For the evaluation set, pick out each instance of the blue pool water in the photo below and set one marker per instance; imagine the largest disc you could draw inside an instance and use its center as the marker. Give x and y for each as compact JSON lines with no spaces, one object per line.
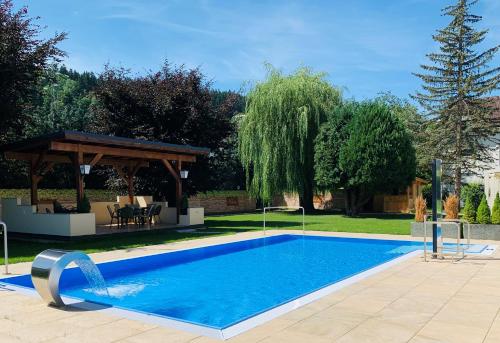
{"x":221,"y":285}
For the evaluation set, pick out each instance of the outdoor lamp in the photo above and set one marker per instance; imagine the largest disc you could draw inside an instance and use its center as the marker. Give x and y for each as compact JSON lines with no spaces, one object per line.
{"x":184,"y":174}
{"x":84,"y":169}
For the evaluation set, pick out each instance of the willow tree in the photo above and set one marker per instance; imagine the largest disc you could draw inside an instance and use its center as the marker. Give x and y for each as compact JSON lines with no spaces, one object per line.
{"x":277,"y":131}
{"x":455,"y":93}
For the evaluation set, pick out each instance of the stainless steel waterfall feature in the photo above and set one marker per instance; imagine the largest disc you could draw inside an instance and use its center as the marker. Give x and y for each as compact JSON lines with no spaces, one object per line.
{"x":47,"y":268}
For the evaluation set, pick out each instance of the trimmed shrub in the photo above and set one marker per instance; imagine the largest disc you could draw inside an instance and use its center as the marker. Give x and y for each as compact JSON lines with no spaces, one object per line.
{"x":473,"y":190}
{"x":495,"y":211}
{"x":420,"y":209}
{"x":83,"y":206}
{"x":451,"y":205}
{"x":469,"y":210}
{"x":483,"y":212}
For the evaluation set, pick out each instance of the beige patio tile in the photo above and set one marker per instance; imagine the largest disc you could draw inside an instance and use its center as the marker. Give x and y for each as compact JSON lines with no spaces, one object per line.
{"x":7,"y":326}
{"x":295,"y":337}
{"x":477,"y":315}
{"x":493,"y":335}
{"x":45,"y":332}
{"x":262,"y":331}
{"x":40,"y":315}
{"x":89,"y":319}
{"x":333,"y":324}
{"x":452,"y":333}
{"x":110,"y":332}
{"x":363,"y":304}
{"x":375,"y":331}
{"x":160,"y":335}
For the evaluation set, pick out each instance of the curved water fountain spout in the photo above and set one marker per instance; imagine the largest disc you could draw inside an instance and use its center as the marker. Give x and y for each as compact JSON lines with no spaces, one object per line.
{"x":48,"y":266}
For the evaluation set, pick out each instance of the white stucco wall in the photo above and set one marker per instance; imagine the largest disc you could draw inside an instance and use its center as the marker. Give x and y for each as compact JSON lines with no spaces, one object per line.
{"x":24,"y":219}
{"x":492,"y":185}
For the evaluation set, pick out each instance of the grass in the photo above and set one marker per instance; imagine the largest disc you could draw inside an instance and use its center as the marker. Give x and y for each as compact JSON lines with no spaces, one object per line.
{"x":398,"y":224}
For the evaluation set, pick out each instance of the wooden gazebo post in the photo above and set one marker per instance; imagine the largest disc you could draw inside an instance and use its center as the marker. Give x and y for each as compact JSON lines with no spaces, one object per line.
{"x":77,"y":161}
{"x":176,"y":173}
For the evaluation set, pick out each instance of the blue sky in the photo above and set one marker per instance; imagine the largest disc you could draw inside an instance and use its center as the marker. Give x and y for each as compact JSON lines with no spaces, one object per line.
{"x":365,"y":46}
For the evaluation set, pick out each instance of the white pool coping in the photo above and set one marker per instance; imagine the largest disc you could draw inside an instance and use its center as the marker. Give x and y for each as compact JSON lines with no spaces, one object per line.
{"x":244,"y":325}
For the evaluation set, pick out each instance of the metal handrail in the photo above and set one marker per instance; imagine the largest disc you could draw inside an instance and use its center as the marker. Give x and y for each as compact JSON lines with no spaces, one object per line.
{"x":286,"y":208}
{"x":5,"y":246}
{"x":455,"y":222}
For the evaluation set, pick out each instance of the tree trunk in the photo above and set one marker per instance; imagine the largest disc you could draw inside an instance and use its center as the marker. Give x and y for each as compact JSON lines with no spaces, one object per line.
{"x":458,"y":180}
{"x":347,"y":201}
{"x":306,"y":200}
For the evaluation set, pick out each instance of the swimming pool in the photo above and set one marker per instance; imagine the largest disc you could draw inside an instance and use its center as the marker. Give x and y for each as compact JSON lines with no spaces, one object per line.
{"x":219,"y":287}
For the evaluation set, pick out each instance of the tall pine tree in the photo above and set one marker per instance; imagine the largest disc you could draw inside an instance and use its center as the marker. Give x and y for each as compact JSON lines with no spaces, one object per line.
{"x":455,"y":92}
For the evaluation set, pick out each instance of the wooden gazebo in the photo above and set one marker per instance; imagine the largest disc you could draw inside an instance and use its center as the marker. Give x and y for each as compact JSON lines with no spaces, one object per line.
{"x":125,"y":155}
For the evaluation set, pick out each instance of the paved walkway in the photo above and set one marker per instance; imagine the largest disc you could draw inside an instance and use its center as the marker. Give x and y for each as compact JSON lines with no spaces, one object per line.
{"x":414,"y":301}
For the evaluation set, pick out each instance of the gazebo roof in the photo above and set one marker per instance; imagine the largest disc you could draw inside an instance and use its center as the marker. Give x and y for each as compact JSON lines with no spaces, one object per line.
{"x":55,"y":145}
{"x":125,"y":155}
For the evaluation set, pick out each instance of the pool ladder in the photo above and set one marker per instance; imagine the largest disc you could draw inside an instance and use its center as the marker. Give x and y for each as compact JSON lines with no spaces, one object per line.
{"x":459,"y":250}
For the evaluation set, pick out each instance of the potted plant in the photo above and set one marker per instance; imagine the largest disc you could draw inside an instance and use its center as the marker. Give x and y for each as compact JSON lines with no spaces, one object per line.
{"x":184,"y":205}
{"x":83,"y":205}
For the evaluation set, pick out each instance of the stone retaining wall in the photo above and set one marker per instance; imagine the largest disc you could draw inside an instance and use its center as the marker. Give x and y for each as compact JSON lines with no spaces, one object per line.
{"x":477,"y":231}
{"x":214,"y":204}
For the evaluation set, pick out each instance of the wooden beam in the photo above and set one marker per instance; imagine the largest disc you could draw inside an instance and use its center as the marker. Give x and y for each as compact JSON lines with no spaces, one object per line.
{"x":61,"y":159}
{"x":171,"y":169}
{"x":49,"y":167}
{"x":96,"y":159}
{"x":131,"y":153}
{"x":120,"y":172}
{"x":39,"y":160}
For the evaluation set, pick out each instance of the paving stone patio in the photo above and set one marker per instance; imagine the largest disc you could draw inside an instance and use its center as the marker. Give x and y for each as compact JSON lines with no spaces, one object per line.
{"x":414,"y":301}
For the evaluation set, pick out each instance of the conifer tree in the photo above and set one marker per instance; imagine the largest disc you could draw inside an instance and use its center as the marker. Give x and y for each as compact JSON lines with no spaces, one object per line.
{"x":495,"y":211}
{"x":469,"y":210}
{"x":456,"y":86}
{"x":483,"y":212}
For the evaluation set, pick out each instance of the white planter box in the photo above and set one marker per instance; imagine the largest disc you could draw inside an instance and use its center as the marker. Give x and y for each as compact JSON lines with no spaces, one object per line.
{"x":195,"y":216}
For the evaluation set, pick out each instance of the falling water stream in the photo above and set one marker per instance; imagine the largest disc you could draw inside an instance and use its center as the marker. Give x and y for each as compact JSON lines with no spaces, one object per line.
{"x":93,"y":276}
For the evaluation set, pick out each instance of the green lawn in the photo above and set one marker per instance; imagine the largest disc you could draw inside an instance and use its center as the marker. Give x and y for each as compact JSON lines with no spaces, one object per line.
{"x":397,"y":224}
{"x":22,"y":251}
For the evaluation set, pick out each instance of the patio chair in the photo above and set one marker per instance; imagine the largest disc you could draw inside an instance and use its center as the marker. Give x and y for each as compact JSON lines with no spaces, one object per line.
{"x":137,"y":214}
{"x":148,"y":215}
{"x":125,"y":214}
{"x":48,"y":211}
{"x":156,"y":213}
{"x":113,"y":213}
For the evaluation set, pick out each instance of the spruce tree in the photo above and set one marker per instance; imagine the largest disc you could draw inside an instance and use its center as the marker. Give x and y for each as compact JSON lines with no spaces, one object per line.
{"x":456,"y":86}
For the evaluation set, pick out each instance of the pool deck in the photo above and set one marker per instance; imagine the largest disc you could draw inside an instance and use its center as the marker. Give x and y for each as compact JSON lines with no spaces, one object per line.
{"x":413,"y":301}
